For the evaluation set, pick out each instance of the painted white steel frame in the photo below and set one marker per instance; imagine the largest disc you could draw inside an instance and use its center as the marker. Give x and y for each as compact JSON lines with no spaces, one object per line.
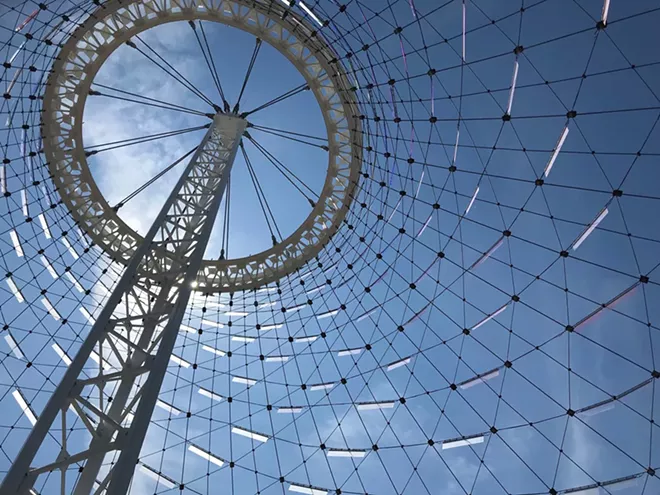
{"x":117,"y":22}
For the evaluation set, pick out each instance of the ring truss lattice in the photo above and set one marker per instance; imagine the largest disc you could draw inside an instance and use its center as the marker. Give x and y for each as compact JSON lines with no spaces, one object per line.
{"x":485,"y":319}
{"x":95,"y":40}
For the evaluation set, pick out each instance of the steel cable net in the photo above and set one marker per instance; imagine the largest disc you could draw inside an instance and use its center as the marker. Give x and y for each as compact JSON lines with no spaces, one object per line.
{"x":483,"y":321}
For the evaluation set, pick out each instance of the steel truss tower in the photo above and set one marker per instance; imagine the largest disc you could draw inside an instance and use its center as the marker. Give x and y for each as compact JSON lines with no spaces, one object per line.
{"x":461,"y":294}
{"x":136,"y":331}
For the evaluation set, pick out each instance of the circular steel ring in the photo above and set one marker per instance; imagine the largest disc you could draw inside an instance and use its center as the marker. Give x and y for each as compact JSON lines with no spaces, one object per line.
{"x":116,"y":22}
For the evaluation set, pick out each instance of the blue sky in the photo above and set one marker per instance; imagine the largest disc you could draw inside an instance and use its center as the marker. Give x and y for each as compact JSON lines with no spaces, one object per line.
{"x":606,"y":356}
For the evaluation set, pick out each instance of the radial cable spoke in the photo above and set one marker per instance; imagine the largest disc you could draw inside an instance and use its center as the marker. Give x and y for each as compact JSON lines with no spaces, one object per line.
{"x":209,"y":60}
{"x":142,"y":139}
{"x":279,"y":166}
{"x":263,"y":203}
{"x":180,"y":79}
{"x":288,"y":94}
{"x":284,"y":131}
{"x":253,"y":59}
{"x":285,"y":136}
{"x":152,"y":102}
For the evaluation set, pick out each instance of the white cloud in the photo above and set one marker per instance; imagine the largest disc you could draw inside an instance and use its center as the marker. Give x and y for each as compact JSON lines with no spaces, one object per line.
{"x":118,"y":172}
{"x":462,"y":469}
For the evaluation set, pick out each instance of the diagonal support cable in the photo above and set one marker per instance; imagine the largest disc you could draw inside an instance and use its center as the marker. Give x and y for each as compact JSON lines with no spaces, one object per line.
{"x":253,"y":59}
{"x":210,"y":63}
{"x":285,"y":135}
{"x":285,"y":131}
{"x":288,"y":94}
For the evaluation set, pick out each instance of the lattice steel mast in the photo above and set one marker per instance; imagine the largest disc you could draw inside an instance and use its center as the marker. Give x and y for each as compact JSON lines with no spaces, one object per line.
{"x":135,"y":332}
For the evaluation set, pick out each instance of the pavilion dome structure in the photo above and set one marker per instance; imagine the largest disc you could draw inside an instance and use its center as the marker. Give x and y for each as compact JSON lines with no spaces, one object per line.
{"x":366,"y":247}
